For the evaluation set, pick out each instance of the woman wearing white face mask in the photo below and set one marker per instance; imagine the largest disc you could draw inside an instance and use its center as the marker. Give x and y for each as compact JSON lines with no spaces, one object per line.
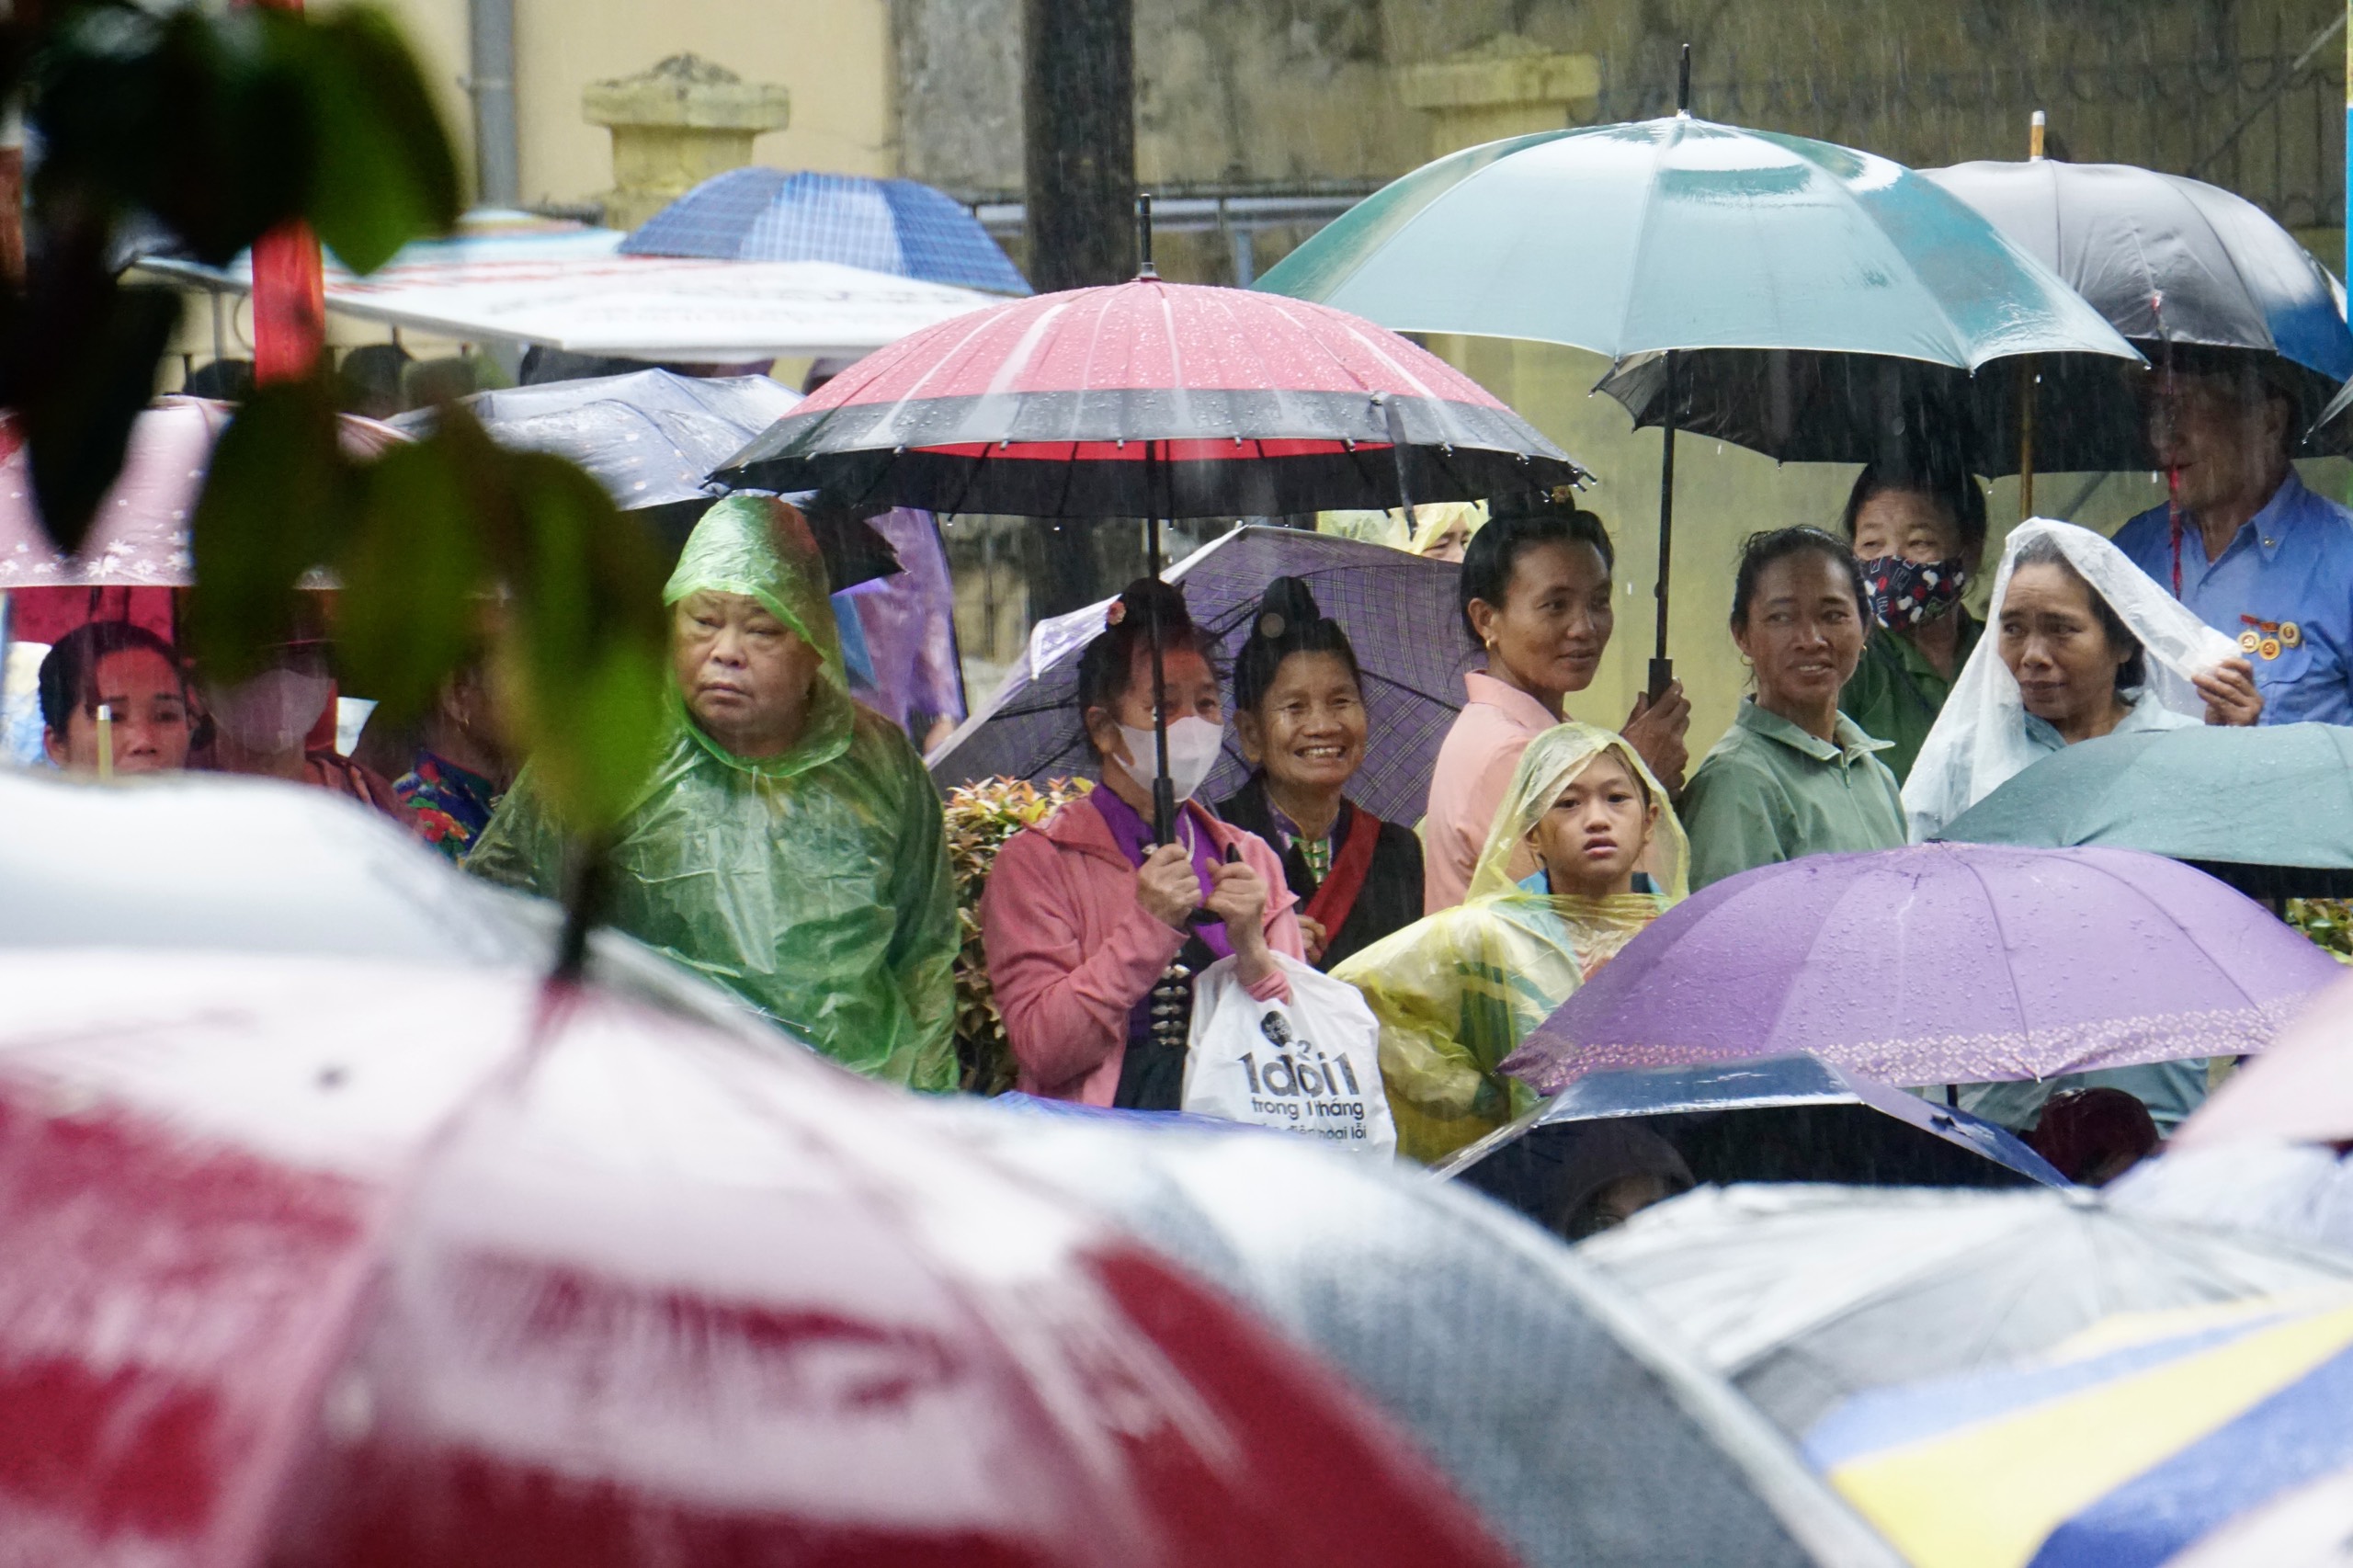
{"x":1093,"y":932}
{"x":262,"y":725}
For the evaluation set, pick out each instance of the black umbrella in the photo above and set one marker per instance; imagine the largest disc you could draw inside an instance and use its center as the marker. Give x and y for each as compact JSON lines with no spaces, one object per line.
{"x":1777,"y":1119}
{"x":2175,"y":265}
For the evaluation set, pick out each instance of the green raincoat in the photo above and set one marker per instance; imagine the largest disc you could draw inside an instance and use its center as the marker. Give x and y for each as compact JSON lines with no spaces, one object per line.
{"x":816,"y":884}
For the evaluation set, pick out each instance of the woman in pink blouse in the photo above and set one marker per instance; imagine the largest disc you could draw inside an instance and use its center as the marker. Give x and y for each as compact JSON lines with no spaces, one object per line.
{"x":1536,"y":595}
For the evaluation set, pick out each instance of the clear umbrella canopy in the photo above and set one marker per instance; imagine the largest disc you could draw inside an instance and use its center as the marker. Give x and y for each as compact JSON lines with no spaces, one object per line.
{"x":1547,"y":1395}
{"x":1802,"y":1296}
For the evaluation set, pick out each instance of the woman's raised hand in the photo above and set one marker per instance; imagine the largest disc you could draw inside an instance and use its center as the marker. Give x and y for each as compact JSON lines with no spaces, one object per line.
{"x":1655,"y":731}
{"x":2230,"y":694}
{"x":1166,"y":888}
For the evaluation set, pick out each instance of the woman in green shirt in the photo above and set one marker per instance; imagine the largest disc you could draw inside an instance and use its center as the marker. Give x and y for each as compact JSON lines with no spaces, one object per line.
{"x":1919,"y":532}
{"x":1793,"y":775}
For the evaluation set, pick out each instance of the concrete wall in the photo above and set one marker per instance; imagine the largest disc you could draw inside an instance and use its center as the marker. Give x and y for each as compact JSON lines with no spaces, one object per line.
{"x":1296,"y":91}
{"x":834,"y":55}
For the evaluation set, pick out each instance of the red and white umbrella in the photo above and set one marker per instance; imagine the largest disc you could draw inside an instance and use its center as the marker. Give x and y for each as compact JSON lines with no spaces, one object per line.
{"x":1153,"y":400}
{"x":319,"y":1261}
{"x":138,"y":536}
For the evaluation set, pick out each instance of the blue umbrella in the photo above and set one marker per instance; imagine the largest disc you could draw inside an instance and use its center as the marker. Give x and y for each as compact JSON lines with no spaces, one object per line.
{"x":883,"y":225}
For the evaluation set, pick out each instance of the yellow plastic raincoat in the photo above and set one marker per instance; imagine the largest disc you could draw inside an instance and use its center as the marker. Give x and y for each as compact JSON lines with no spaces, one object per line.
{"x":1456,"y":993}
{"x":816,"y":884}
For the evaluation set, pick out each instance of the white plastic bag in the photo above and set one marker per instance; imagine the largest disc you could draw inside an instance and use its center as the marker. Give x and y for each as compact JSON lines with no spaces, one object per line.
{"x":1311,"y":1065}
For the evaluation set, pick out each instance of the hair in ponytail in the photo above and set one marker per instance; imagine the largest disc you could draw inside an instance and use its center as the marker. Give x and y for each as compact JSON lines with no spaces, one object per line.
{"x":1287,"y":622}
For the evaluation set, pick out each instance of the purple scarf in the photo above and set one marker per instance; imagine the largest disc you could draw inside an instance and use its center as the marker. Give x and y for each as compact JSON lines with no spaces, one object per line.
{"x":1133,"y":835}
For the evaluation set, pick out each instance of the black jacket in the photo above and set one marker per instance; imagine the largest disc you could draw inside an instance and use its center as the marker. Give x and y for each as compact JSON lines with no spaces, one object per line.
{"x":1392,"y":897}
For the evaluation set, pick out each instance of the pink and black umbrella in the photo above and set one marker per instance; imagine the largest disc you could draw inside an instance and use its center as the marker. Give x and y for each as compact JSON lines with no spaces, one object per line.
{"x":1153,"y":400}
{"x":320,"y":1262}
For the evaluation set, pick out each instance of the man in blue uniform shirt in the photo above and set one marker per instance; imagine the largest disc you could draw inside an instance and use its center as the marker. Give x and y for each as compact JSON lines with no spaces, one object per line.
{"x":2257,"y":556}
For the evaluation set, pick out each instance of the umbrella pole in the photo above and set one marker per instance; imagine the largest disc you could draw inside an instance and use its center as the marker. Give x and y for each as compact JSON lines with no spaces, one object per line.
{"x":1662,"y":667}
{"x":1164,"y":791}
{"x":2026,"y":436}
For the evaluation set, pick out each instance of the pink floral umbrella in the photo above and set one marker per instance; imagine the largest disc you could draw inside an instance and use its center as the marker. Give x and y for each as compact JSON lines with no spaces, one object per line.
{"x":139,"y":539}
{"x":324,"y":1261}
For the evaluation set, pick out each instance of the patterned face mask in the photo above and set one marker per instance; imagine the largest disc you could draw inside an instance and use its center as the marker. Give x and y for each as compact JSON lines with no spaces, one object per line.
{"x":1909,"y":593}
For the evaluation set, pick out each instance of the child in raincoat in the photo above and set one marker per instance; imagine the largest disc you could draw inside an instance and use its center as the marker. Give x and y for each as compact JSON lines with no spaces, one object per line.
{"x":788,"y":844}
{"x":1457,"y":992}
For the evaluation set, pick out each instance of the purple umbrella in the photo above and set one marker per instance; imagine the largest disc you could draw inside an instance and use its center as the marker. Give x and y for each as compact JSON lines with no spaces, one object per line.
{"x":1941,"y":964}
{"x":1398,"y":610}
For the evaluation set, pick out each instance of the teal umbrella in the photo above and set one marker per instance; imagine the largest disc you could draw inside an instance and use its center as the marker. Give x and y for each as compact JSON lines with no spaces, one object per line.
{"x":2268,"y":810}
{"x":1755,"y":268}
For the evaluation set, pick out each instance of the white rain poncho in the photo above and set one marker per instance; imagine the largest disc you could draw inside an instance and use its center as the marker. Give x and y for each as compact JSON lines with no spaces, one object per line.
{"x":1980,"y":742}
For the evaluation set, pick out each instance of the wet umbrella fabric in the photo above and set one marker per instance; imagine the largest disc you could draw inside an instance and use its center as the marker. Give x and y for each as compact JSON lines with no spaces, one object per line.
{"x":1802,"y":1296}
{"x":898,"y":226}
{"x":648,"y":438}
{"x":1544,"y":1394}
{"x":1398,"y":610}
{"x":2300,"y":1092}
{"x":140,"y":535}
{"x":2166,"y":259}
{"x":462,"y":1278}
{"x":227,"y":863}
{"x":2141,"y":1442}
{"x":1940,"y":963}
{"x":2269,"y":809}
{"x":651,"y":436}
{"x":2296,"y":1192}
{"x":1784,"y":1118}
{"x":1763,"y":250}
{"x":1151,"y":400}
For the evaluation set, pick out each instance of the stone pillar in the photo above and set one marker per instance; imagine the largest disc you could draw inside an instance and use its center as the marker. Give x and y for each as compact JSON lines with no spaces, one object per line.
{"x":1508,"y":87}
{"x":673,"y":127}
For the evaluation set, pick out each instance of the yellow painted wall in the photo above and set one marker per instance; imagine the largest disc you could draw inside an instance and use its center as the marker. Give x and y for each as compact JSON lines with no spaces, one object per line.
{"x":834,"y":55}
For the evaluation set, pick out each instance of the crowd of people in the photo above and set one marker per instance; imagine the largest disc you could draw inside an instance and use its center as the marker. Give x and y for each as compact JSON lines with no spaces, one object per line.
{"x":790,"y":843}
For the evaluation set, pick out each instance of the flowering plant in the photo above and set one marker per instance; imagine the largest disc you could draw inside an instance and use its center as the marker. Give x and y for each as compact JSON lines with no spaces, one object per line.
{"x":980,"y":817}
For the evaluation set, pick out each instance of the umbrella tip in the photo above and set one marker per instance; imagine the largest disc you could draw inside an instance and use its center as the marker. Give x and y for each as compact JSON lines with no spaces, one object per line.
{"x":1144,"y":268}
{"x":2034,"y":137}
{"x":1683,"y":86}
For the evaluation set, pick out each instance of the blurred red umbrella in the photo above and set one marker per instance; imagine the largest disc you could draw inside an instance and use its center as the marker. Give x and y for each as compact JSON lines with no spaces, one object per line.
{"x":325,"y":1262}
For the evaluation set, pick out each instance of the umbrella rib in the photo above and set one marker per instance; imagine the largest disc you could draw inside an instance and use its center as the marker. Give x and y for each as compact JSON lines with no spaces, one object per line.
{"x":2009,"y":972}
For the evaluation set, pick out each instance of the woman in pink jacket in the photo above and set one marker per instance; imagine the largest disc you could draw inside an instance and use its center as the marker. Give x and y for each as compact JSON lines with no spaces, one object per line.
{"x":1094,"y":934}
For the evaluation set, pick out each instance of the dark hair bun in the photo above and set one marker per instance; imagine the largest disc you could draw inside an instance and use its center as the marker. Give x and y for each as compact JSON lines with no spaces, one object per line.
{"x":1286,"y":604}
{"x":1290,"y":621}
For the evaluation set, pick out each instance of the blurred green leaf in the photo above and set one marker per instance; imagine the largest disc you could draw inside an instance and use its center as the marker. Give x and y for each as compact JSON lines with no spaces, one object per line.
{"x":197,"y":118}
{"x":90,"y":368}
{"x":385,"y":173}
{"x":277,"y":499}
{"x":409,"y":570}
{"x":589,"y":639}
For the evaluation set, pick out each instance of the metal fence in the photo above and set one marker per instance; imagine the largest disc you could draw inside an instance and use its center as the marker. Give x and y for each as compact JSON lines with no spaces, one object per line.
{"x":2261,"y":113}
